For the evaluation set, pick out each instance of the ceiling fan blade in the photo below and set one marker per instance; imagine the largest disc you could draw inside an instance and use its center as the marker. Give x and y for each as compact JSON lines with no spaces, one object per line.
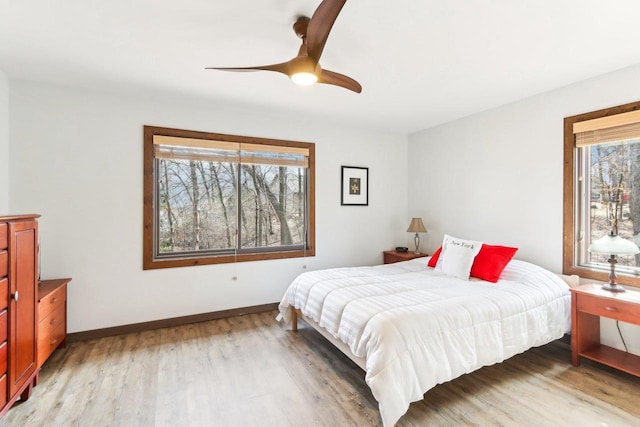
{"x":280,"y":68}
{"x":320,"y":26}
{"x":331,"y":78}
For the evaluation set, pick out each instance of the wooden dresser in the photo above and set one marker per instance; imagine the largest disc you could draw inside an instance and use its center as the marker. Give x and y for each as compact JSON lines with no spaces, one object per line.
{"x":52,"y":317}
{"x":18,"y":315}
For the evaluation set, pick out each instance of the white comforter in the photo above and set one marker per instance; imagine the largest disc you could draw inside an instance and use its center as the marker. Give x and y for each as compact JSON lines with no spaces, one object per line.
{"x":417,"y":328}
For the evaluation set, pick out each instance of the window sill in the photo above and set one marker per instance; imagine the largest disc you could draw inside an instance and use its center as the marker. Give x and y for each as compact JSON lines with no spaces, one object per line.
{"x":150,"y":264}
{"x":601,"y":276}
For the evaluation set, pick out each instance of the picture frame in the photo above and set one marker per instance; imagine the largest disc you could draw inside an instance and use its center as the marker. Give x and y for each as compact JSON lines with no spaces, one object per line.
{"x":355,"y":186}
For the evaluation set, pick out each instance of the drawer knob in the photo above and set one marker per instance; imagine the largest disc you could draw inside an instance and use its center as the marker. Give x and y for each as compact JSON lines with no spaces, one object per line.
{"x":15,"y":296}
{"x":53,"y":300}
{"x":54,"y":341}
{"x":611,"y":308}
{"x":52,"y":321}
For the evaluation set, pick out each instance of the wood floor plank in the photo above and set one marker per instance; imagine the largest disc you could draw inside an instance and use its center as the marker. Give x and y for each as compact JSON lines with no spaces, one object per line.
{"x":171,"y":406}
{"x":248,"y":371}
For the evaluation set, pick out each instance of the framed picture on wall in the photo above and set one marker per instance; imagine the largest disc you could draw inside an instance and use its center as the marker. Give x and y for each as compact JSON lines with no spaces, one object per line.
{"x":355,"y":186}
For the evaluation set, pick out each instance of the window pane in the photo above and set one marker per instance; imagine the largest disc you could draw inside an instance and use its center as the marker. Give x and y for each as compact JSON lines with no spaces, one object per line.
{"x":273,"y":206}
{"x":197,"y":205}
{"x":214,"y":198}
{"x":612,"y":193}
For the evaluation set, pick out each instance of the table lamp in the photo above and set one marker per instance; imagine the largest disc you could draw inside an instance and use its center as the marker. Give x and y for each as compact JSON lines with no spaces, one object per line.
{"x":416,"y":226}
{"x":613,"y":245}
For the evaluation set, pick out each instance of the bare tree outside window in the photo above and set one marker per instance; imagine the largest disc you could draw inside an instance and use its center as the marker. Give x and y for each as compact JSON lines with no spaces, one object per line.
{"x":614,"y":194}
{"x":197,"y":206}
{"x":213,"y":198}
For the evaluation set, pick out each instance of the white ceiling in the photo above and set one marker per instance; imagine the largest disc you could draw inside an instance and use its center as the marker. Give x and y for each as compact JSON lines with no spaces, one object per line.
{"x":421,"y":63}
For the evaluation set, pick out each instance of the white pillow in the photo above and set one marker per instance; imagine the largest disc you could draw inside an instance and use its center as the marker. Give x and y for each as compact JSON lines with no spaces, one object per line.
{"x":457,"y":256}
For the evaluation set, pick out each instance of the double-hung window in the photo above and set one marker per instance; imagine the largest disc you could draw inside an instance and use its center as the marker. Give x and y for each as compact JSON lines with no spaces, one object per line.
{"x":602,"y":190}
{"x":213,"y":198}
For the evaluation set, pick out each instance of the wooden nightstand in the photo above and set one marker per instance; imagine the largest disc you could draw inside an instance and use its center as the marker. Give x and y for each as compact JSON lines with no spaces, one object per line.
{"x":588,"y":304}
{"x":394,"y":256}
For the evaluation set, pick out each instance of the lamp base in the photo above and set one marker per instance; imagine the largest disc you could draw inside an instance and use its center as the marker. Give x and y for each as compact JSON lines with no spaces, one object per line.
{"x":416,"y":240}
{"x":613,"y":287}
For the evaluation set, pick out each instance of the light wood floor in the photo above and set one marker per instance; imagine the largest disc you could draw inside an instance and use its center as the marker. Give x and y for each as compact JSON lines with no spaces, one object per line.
{"x":247,"y":371}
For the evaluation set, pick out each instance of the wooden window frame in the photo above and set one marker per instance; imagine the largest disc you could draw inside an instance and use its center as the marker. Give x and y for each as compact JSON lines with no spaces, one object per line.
{"x":149,"y":259}
{"x":569,"y":228}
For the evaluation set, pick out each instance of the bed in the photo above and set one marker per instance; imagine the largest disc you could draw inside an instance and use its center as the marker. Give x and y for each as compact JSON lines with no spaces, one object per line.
{"x":411,"y":327}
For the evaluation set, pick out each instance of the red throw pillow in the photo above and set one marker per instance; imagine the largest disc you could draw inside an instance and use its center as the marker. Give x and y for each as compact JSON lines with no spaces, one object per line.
{"x":491,"y":261}
{"x":434,"y":258}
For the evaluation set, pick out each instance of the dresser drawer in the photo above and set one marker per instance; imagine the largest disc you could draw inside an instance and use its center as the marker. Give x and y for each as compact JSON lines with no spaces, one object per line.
{"x":52,"y":321}
{"x":3,"y":325}
{"x":3,"y":358}
{"x":4,"y":241}
{"x":52,"y":301}
{"x":3,"y":390}
{"x":609,"y":307}
{"x":4,"y":263}
{"x":49,"y":341}
{"x":4,"y":293}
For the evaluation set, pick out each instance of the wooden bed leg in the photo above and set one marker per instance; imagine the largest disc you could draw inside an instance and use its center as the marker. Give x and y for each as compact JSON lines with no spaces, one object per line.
{"x":294,"y":320}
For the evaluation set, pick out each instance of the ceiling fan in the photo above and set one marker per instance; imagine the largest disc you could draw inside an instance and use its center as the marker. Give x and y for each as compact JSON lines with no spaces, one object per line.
{"x":305,"y":68}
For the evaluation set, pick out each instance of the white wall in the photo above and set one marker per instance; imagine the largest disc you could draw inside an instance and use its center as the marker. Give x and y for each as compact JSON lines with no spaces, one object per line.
{"x":78,"y":158}
{"x":4,"y":144}
{"x":497,"y":176}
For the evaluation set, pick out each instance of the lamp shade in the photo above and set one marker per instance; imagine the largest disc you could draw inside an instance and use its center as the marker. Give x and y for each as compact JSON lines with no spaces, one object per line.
{"x":612,"y":244}
{"x":416,"y":226}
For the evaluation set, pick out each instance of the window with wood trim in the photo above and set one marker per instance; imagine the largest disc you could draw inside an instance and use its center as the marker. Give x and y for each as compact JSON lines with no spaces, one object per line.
{"x":213,"y":198}
{"x":602,"y":189}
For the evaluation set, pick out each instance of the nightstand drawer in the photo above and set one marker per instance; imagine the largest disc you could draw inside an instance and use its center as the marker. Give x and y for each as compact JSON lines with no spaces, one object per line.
{"x":52,"y":301}
{"x":609,"y":307}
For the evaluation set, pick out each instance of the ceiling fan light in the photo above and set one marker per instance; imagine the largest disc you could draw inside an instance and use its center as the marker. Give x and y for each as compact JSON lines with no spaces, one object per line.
{"x":304,"y":78}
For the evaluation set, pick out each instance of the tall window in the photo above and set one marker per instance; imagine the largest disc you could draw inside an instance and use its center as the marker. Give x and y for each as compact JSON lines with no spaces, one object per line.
{"x":212,"y":198}
{"x":602,"y":189}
